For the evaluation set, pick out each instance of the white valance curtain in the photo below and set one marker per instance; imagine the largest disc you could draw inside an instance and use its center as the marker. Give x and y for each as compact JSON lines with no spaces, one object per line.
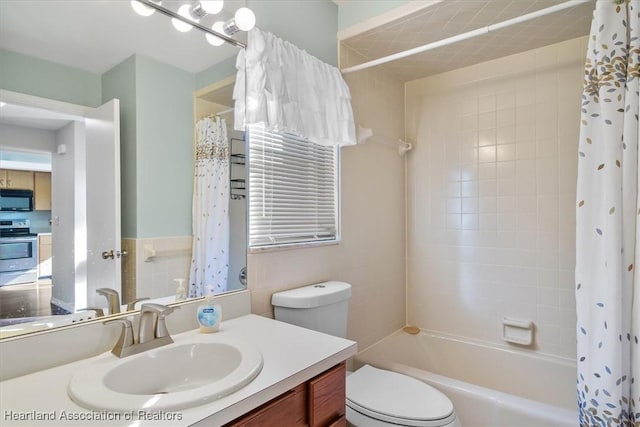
{"x":287,"y":90}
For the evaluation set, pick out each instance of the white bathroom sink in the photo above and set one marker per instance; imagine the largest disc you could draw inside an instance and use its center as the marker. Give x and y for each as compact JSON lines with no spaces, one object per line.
{"x":176,"y":376}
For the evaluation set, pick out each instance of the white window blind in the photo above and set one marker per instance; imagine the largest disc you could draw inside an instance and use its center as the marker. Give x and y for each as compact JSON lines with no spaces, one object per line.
{"x":293,"y":190}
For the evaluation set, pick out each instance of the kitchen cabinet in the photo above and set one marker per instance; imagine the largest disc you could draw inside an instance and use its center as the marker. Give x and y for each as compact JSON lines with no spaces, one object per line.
{"x":42,"y":191}
{"x":19,"y":180}
{"x":319,"y":402}
{"x":44,"y":255}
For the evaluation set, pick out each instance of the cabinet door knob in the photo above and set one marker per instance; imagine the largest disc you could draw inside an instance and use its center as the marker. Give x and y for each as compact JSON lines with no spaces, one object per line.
{"x":108,"y":254}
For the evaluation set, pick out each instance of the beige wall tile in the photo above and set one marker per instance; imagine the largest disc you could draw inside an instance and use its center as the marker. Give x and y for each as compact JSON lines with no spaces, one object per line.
{"x":129,"y":269}
{"x":155,"y":277}
{"x":506,"y":246}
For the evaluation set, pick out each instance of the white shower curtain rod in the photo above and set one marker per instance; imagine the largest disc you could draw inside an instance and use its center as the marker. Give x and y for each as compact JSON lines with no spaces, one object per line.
{"x":364,"y":134}
{"x":223,"y":112}
{"x":467,"y":35}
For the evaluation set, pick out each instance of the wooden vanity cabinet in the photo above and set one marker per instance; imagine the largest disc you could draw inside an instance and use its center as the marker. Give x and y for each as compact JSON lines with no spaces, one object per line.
{"x":288,"y":409}
{"x":327,"y":398}
{"x":319,"y":402}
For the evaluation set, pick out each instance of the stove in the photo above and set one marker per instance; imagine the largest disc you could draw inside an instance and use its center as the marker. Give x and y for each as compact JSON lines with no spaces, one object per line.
{"x":15,"y":228}
{"x":18,"y":252}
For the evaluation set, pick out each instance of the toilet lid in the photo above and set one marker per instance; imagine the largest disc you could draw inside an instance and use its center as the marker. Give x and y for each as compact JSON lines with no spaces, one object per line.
{"x":393,"y":397}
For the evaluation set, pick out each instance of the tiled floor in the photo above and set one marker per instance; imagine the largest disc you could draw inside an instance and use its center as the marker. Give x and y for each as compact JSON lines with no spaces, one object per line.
{"x":26,"y":300}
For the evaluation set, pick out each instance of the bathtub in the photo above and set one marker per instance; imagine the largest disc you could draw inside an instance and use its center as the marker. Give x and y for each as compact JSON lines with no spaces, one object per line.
{"x":488,"y":385}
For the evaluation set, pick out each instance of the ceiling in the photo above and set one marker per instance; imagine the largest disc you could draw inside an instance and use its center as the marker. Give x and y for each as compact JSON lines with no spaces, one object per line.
{"x":222,"y":95}
{"x":32,"y":117}
{"x":99,"y":34}
{"x":452,"y":17}
{"x":96,"y":35}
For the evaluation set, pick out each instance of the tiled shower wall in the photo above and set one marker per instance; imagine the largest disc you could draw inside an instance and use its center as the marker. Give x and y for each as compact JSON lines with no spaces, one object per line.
{"x":491,"y":181}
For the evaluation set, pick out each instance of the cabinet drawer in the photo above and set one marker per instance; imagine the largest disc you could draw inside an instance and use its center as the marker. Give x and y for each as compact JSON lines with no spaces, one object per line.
{"x":289,"y":410}
{"x":327,"y":397}
{"x":340,"y":422}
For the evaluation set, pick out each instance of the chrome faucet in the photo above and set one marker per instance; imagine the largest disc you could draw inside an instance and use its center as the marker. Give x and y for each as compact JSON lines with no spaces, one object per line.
{"x":152,"y":331}
{"x":152,"y":322}
{"x":124,"y":346}
{"x":113,"y":298}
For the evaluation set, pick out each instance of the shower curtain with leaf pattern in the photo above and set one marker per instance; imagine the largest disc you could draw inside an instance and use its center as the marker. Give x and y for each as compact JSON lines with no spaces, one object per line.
{"x":210,"y":251}
{"x":607,"y":218}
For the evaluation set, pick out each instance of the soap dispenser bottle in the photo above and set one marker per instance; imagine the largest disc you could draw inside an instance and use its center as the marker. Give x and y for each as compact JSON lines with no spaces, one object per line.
{"x":209,"y":316}
{"x":181,"y":292}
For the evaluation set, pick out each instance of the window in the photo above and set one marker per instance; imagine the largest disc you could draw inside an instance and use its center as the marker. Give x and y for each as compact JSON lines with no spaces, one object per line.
{"x":293,"y":190}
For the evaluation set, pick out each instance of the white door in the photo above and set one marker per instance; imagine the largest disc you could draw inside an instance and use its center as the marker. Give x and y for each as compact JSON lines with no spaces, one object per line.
{"x":103,"y":201}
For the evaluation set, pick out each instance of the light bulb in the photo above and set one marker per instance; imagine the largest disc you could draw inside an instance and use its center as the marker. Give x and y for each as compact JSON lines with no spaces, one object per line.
{"x":143,"y":9}
{"x":218,"y":26}
{"x":245,"y":19}
{"x":212,"y":6}
{"x":182,"y":26}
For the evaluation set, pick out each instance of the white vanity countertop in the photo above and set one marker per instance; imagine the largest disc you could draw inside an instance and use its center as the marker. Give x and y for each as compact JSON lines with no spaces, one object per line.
{"x":291,"y":356}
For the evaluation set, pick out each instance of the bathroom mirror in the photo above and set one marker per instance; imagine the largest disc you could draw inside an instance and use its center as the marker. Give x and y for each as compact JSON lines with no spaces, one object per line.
{"x":165,"y":81}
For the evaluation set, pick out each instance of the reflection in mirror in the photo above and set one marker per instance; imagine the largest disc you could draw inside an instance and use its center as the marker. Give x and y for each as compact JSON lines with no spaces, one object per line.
{"x":112,"y":181}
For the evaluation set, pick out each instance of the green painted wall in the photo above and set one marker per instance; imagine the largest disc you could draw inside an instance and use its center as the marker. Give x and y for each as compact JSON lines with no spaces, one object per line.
{"x":310,"y":24}
{"x":216,"y":73}
{"x":120,"y":83}
{"x":356,"y":11}
{"x":164,"y":167}
{"x":156,"y":145}
{"x":33,"y":76}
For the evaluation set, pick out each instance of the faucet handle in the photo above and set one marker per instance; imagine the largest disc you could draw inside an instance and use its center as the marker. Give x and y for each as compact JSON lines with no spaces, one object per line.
{"x":107,"y":292}
{"x":131,"y":305}
{"x":157,"y":308}
{"x":126,"y":336}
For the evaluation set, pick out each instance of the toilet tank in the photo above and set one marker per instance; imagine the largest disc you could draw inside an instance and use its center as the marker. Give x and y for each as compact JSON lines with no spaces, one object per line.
{"x":322,"y":307}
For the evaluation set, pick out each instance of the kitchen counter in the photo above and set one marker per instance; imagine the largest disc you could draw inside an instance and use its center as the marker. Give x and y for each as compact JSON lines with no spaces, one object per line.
{"x":291,"y":356}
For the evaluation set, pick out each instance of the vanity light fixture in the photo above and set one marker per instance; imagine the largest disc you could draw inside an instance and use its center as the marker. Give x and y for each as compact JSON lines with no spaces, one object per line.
{"x":185,"y":12}
{"x":143,"y":10}
{"x":203,"y":7}
{"x":218,"y":27}
{"x":189,"y":16}
{"x":243,"y":20}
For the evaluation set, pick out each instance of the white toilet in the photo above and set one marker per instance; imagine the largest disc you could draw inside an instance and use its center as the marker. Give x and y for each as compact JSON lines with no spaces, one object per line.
{"x":375,"y":397}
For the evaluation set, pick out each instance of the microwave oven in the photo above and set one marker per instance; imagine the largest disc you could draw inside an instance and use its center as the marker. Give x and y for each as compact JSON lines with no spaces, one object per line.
{"x":16,"y":200}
